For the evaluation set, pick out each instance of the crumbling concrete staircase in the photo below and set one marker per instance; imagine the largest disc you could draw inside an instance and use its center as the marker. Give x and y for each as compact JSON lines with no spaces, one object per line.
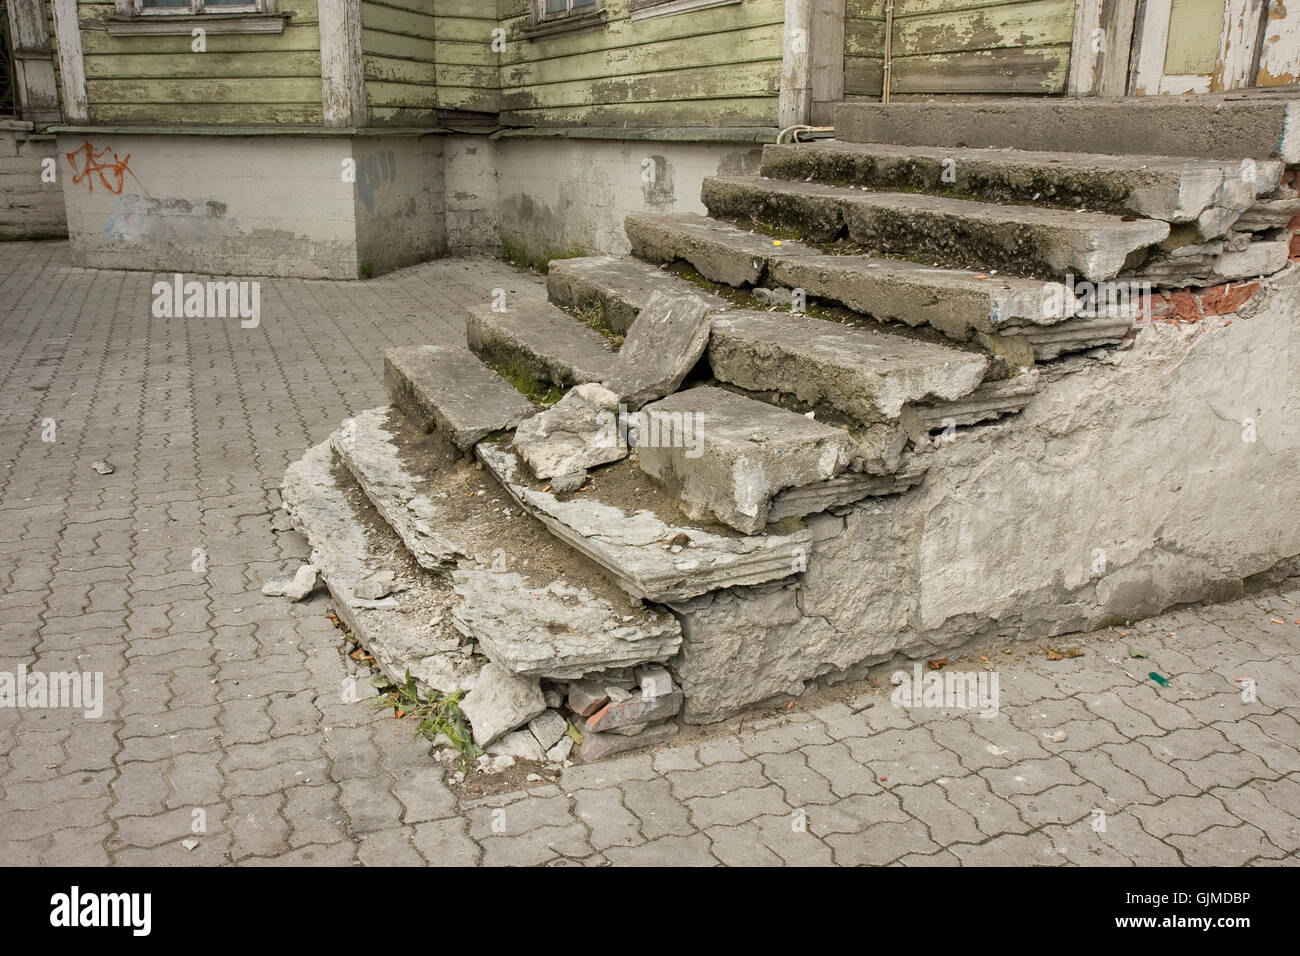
{"x":763,"y":411}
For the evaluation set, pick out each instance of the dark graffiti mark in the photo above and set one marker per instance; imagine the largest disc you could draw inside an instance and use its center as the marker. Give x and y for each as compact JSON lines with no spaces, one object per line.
{"x":372,"y":172}
{"x":111,"y":173}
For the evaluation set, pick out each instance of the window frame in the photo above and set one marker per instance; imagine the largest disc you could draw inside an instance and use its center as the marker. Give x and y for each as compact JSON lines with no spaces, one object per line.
{"x":540,"y":15}
{"x":647,"y":9}
{"x":195,"y":8}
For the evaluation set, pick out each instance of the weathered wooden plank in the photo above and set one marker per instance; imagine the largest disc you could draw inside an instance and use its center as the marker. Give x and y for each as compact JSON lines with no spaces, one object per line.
{"x":864,"y":38}
{"x":469,"y":77}
{"x":704,"y":25}
{"x":1041,"y":70}
{"x":208,"y":114}
{"x":863,"y":76}
{"x":262,"y":63}
{"x":383,"y":69}
{"x":738,"y":47}
{"x":465,"y":54}
{"x":827,"y":59}
{"x":377,"y":43}
{"x":1026,"y":24}
{"x":906,"y":9}
{"x":743,"y":79}
{"x":391,"y":20}
{"x":1279,"y":61}
{"x":412,"y":6}
{"x":474,"y":100}
{"x":294,"y":39}
{"x":735,"y":111}
{"x":869,"y":9}
{"x":207,"y":90}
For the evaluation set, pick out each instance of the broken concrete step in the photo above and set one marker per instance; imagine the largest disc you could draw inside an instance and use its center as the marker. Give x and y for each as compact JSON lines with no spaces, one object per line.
{"x":450,"y":391}
{"x":558,"y":630}
{"x":1026,"y":240}
{"x":663,"y":346}
{"x":719,"y":251}
{"x":866,"y":374}
{"x":617,"y":287}
{"x":534,"y":607}
{"x":1224,"y":126}
{"x":992,"y":400}
{"x":745,"y":453}
{"x":650,"y":557}
{"x":1174,"y":189}
{"x":408,"y":630}
{"x":845,"y":489}
{"x":1268,"y":214}
{"x":1076,"y":335}
{"x":540,"y":341}
{"x":964,"y":306}
{"x":365,"y":446}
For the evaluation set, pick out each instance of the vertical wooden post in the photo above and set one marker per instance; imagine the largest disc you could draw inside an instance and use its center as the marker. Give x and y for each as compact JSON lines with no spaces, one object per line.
{"x":827,"y":59}
{"x":36,"y":93}
{"x":343,"y":87}
{"x":794,"y":106}
{"x":72,"y":66}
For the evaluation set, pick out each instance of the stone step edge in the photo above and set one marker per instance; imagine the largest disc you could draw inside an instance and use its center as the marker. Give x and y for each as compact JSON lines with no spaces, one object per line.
{"x":366,"y":449}
{"x":710,"y":562}
{"x":342,"y":551}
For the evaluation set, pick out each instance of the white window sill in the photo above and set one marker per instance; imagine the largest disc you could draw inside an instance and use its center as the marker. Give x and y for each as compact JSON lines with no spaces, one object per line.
{"x":648,"y":11}
{"x":570,"y":24}
{"x":184,"y":23}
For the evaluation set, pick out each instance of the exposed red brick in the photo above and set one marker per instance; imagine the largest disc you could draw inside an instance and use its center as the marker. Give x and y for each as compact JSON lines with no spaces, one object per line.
{"x":1223,"y":299}
{"x":1156,"y":306}
{"x":1295,"y":246}
{"x":1184,"y":306}
{"x":1294,"y":224}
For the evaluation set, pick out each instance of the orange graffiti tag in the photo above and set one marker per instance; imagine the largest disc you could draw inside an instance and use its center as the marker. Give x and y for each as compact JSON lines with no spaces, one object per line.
{"x":111,"y":173}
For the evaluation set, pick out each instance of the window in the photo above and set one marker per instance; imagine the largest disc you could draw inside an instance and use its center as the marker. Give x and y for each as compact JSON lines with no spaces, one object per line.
{"x":554,"y":9}
{"x":554,"y":17}
{"x":148,"y":8}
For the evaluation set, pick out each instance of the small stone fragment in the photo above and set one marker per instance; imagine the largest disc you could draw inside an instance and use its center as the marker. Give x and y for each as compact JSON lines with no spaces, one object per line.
{"x":635,"y":710}
{"x":560,"y":752}
{"x":654,"y":681}
{"x":296,"y":587}
{"x":568,"y":484}
{"x":548,"y":728}
{"x":103,"y":467}
{"x":596,"y":746}
{"x":376,"y":586}
{"x":578,"y":432}
{"x":586,"y":697}
{"x":500,"y":702}
{"x":519,"y":744}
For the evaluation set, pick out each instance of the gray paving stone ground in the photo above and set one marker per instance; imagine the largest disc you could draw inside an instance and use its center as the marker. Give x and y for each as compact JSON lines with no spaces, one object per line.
{"x":223,"y":722}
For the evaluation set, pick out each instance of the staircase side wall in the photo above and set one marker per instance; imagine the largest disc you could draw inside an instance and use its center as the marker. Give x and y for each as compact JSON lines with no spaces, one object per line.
{"x":537,"y":199}
{"x":1162,"y":475}
{"x":29,"y":207}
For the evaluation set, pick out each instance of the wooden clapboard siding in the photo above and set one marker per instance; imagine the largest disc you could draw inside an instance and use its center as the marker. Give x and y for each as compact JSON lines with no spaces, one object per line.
{"x":982,"y":47}
{"x":969,"y":47}
{"x":718,"y":66}
{"x":864,"y":48}
{"x":468,"y":69}
{"x":242,"y":79}
{"x":398,"y":59}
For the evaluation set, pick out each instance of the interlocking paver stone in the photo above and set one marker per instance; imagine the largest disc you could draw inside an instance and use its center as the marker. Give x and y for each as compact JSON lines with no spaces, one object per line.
{"x":222,"y":705}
